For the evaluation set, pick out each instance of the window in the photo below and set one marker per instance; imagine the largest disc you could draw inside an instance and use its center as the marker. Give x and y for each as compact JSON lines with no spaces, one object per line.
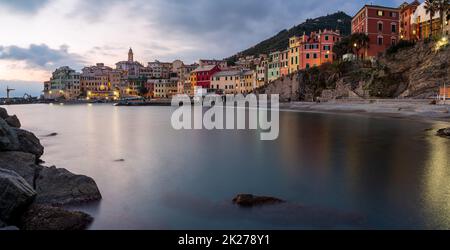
{"x":393,"y":14}
{"x":393,"y":41}
{"x":307,"y":55}
{"x":326,"y":56}
{"x":380,"y":27}
{"x":307,"y":65}
{"x":394,"y":28}
{"x":380,"y":40}
{"x":314,"y":55}
{"x":326,"y":38}
{"x":380,"y":13}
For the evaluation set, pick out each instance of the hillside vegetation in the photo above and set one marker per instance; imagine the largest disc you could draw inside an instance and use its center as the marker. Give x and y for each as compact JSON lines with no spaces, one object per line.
{"x":337,"y":21}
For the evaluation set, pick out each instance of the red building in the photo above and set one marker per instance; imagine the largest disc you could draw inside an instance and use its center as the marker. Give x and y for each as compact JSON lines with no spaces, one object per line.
{"x":406,"y":28}
{"x":381,"y":24}
{"x":317,"y":48}
{"x":201,"y":76}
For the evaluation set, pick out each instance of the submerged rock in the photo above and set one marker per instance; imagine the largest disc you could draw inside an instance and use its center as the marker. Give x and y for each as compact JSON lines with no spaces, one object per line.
{"x":13,"y":121}
{"x":249,"y":200}
{"x":445,"y":132}
{"x":51,"y":135}
{"x":58,"y":186}
{"x":40,"y":217}
{"x":15,"y":195}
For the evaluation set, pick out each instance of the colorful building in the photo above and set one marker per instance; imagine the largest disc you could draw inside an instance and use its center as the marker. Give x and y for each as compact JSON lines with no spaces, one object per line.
{"x":407,"y":11}
{"x":262,"y":73}
{"x":201,"y":76}
{"x":247,"y":82}
{"x":294,"y":54}
{"x":222,"y":64}
{"x":64,"y":83}
{"x":101,"y":82}
{"x":381,"y":24}
{"x":284,"y":62}
{"x":317,"y":48}
{"x":273,"y":68}
{"x":164,"y":88}
{"x":420,"y":23}
{"x":226,"y":82}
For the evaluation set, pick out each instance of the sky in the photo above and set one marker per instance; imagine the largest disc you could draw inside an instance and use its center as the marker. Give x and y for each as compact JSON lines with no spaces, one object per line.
{"x":37,"y":36}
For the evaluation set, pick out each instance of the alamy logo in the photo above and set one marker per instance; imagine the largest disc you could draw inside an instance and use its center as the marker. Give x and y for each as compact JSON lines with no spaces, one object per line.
{"x":228,"y":112}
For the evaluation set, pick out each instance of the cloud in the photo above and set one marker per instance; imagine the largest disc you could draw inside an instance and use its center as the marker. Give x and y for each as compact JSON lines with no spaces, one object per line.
{"x":27,"y":6}
{"x":41,"y":56}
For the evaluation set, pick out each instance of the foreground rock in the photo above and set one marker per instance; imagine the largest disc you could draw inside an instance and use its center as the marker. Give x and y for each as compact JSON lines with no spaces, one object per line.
{"x":29,"y":143}
{"x":15,"y":195}
{"x":15,"y":139}
{"x":39,"y":217}
{"x":28,"y":189}
{"x":3,"y":113}
{"x":61,"y":187}
{"x":13,"y":121}
{"x":249,"y":200}
{"x":445,"y":132}
{"x":22,"y":163}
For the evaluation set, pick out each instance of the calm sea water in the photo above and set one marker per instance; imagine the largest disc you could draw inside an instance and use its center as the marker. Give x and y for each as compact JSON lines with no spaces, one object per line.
{"x":336,"y":171}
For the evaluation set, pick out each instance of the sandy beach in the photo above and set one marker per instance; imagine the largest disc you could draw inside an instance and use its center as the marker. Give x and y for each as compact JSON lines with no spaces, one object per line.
{"x":420,"y":110}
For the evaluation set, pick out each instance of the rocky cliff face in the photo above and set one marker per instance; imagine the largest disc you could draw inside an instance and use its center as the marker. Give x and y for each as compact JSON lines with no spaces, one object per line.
{"x":414,"y":72}
{"x":28,"y":190}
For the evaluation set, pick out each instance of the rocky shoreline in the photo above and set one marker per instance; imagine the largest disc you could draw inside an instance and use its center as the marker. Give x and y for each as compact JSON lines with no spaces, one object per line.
{"x":32,"y":196}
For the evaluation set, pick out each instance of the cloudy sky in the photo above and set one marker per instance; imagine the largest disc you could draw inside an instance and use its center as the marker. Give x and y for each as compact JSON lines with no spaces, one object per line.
{"x":37,"y":36}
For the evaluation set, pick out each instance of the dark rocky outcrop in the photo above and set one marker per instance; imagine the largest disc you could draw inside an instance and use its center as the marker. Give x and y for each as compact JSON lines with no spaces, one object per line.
{"x":249,"y":200}
{"x":39,"y":217}
{"x":28,"y":189}
{"x":22,"y":163}
{"x":9,"y":140}
{"x":3,"y":113}
{"x":29,"y":143}
{"x":13,"y":121}
{"x":15,"y":195}
{"x":445,"y":132}
{"x":61,"y":187}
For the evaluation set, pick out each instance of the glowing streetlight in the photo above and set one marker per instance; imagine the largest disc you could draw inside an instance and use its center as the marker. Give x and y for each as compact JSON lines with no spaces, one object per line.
{"x":355,"y":45}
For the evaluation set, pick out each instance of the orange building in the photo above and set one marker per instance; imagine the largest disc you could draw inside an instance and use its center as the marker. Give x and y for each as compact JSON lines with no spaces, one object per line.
{"x":380,"y":24}
{"x":313,"y":50}
{"x":406,"y":13}
{"x":317,"y":48}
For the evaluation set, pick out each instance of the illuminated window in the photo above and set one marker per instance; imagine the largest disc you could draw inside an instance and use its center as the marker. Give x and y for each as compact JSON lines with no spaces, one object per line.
{"x":380,"y":13}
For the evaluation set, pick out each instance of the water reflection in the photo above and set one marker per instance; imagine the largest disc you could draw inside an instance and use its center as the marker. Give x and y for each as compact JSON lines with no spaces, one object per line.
{"x":389,"y":172}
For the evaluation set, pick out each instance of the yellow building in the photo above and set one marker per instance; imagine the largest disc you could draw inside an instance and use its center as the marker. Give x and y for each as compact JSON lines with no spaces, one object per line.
{"x":294,"y":54}
{"x":164,"y":88}
{"x":226,"y":82}
{"x":247,"y":82}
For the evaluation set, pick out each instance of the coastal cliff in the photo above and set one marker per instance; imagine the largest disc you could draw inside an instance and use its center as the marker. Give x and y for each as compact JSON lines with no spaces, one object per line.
{"x":32,"y":195}
{"x":415,"y":71}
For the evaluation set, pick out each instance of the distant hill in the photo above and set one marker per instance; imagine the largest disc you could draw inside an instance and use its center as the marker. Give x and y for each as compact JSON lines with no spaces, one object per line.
{"x":338,"y":20}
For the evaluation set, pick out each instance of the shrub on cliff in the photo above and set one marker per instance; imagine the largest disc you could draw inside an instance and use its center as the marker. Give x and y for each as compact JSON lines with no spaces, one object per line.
{"x":400,"y":45}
